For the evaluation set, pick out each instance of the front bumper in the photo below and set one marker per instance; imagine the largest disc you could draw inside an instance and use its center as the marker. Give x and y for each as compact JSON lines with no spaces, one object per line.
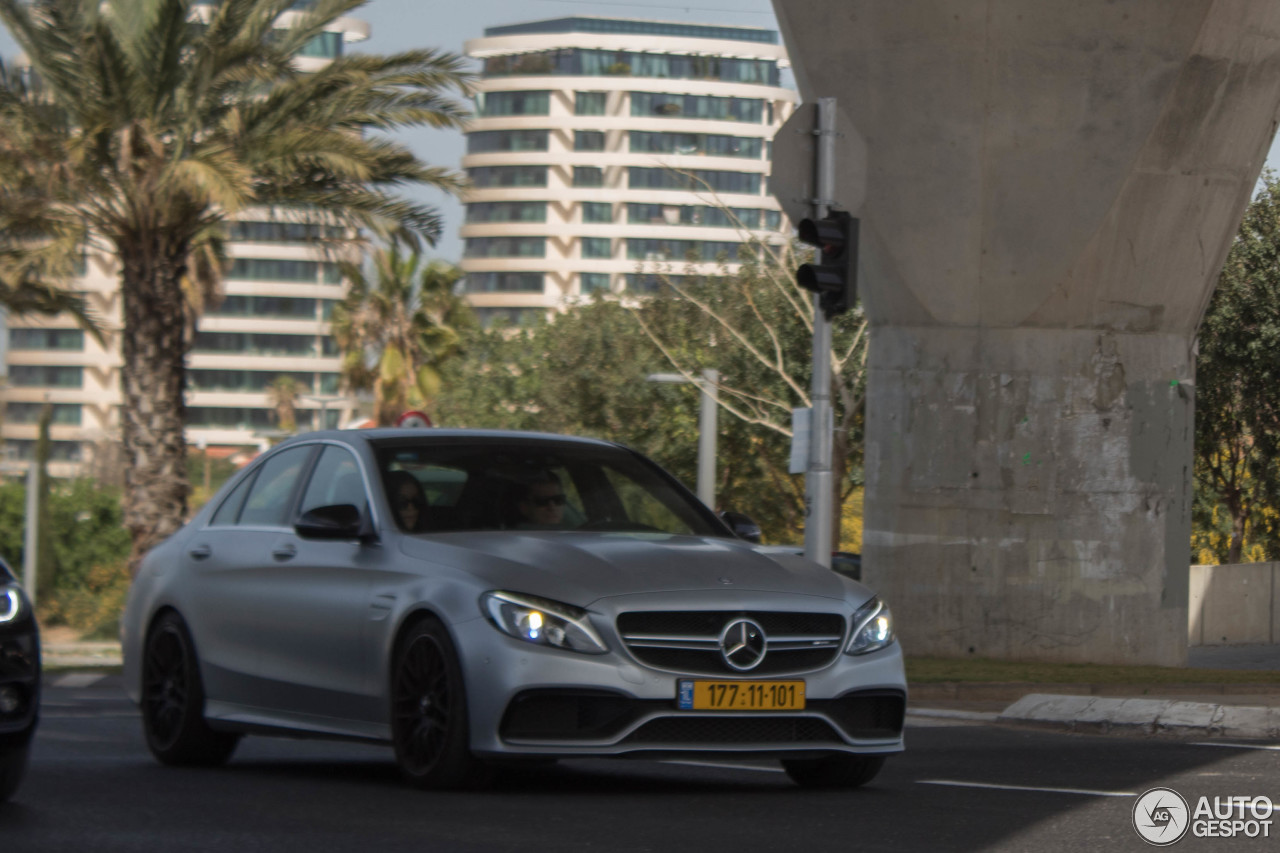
{"x":19,"y":681}
{"x":527,"y":700}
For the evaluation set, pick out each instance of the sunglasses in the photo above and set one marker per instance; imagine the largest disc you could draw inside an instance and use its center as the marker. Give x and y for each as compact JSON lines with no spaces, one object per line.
{"x":548,"y":500}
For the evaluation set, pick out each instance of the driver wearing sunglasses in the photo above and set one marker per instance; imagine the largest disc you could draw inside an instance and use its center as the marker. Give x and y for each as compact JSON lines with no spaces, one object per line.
{"x":542,"y":504}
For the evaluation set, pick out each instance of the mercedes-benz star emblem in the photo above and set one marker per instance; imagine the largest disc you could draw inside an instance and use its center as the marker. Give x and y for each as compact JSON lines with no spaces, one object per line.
{"x":743,"y":644}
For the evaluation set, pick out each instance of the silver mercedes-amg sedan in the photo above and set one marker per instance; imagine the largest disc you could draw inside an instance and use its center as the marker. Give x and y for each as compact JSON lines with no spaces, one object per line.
{"x":472,"y":598}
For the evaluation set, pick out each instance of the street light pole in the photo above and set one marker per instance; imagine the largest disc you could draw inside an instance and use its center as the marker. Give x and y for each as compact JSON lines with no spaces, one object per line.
{"x":709,"y":385}
{"x":32,"y":537}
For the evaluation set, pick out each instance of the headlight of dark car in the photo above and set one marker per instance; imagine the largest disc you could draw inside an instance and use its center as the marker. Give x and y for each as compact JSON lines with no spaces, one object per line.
{"x":11,"y":606}
{"x":872,"y":628}
{"x":542,"y":622}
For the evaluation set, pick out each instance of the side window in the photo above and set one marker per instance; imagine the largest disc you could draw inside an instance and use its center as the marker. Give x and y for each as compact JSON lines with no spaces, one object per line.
{"x":335,"y":480}
{"x":230,"y":508}
{"x":268,"y":502}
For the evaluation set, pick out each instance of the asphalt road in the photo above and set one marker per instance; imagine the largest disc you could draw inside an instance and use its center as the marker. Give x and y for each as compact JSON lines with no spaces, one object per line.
{"x":960,"y":786}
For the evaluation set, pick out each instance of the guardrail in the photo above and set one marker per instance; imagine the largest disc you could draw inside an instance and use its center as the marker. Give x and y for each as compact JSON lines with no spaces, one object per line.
{"x":1233,"y":604}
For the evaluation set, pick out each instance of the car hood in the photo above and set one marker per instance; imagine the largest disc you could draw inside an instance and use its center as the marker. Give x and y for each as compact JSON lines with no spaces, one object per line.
{"x":579,"y":567}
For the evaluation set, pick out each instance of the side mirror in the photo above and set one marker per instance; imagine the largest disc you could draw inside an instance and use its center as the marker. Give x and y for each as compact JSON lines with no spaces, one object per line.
{"x":742,"y":526}
{"x":339,"y":521}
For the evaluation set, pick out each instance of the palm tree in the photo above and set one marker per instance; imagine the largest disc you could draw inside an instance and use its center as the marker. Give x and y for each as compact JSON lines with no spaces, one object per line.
{"x":148,"y":123}
{"x":397,"y":332}
{"x":283,"y":393}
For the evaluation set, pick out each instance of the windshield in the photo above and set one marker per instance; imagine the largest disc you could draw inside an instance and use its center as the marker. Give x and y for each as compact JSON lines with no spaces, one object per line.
{"x":439,"y":488}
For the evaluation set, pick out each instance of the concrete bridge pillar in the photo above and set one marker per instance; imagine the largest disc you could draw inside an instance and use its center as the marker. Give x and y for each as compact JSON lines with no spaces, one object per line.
{"x":1051,"y":190}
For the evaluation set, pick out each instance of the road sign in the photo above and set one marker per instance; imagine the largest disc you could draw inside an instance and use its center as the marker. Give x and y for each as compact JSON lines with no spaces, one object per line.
{"x":413,"y":418}
{"x":794,"y":149}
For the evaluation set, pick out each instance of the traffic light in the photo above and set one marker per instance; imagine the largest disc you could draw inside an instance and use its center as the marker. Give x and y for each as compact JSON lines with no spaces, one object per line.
{"x":835,"y":277}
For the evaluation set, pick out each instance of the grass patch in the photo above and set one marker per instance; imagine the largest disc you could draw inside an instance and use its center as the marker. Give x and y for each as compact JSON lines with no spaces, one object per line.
{"x":922,"y":670}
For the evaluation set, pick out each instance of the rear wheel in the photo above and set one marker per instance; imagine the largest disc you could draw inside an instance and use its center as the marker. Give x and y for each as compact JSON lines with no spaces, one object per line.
{"x":13,"y":762}
{"x":837,"y":771}
{"x":173,"y":700}
{"x":429,"y":711}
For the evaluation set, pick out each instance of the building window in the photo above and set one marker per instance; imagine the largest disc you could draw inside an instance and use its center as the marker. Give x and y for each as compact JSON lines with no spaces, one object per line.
{"x":647,"y":249}
{"x":697,"y":106}
{"x":695,"y":180}
{"x":597,"y":211}
{"x":45,"y":375}
{"x":593,"y":282}
{"x":284,"y":232}
{"x":596,"y":247}
{"x":282,"y":307}
{"x":59,"y":451}
{"x":62,"y":414}
{"x":589,"y":103}
{"x":513,"y":103}
{"x":773,"y":220}
{"x":238,"y":417}
{"x":325,"y":45}
{"x":243,"y":380}
{"x":708,"y":144}
{"x":503,"y":282}
{"x":588,"y":140}
{"x":46,"y":339}
{"x":588,"y":176}
{"x":508,"y":176}
{"x":272,"y":269}
{"x":694,"y":214}
{"x":244,"y":343}
{"x":505,"y":247}
{"x":486,"y":141}
{"x":507,"y":211}
{"x":580,"y":62}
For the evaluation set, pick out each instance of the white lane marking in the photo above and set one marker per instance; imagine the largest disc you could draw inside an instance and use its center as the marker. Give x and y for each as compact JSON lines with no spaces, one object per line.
{"x":1272,"y":747}
{"x":77,"y":679}
{"x":955,"y":783}
{"x":727,"y":766}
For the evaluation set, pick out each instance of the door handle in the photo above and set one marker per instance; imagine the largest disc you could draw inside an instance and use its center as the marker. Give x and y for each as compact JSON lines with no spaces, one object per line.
{"x":285,"y":552}
{"x":200,"y":552}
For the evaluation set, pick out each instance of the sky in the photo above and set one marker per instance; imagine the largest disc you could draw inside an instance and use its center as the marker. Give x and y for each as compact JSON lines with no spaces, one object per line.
{"x":402,"y":24}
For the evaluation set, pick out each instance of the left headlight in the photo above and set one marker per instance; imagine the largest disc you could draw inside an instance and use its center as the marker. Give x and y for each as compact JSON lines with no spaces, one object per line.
{"x":872,"y":628}
{"x":10,"y":604}
{"x":542,"y":622}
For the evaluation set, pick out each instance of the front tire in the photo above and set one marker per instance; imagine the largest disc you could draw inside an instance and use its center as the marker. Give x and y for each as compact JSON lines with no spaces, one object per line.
{"x":429,"y":727}
{"x":173,"y":700}
{"x":837,"y":771}
{"x":13,"y":763}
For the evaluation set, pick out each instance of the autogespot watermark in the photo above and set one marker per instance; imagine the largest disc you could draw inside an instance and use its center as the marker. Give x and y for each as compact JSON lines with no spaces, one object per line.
{"x":1162,"y":817}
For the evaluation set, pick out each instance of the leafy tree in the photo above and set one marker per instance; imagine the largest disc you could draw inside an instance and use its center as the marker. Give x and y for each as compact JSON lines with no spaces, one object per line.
{"x":398,"y":331}
{"x":1237,"y":411}
{"x":143,"y":132}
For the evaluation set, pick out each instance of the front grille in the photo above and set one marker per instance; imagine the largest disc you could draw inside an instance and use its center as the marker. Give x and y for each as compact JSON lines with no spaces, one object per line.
{"x":739,"y":731}
{"x":570,"y":714}
{"x":866,"y":714}
{"x":689,"y":641}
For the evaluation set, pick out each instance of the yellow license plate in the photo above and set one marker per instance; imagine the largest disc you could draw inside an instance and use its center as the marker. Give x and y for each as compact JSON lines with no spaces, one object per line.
{"x":740,"y":695}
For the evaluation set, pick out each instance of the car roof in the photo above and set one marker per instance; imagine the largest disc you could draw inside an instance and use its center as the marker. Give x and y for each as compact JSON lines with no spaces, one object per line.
{"x":379,"y":435}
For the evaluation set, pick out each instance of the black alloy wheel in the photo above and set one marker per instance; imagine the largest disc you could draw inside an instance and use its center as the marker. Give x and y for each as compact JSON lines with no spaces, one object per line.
{"x":837,"y":771}
{"x":173,"y":700}
{"x":429,"y":711}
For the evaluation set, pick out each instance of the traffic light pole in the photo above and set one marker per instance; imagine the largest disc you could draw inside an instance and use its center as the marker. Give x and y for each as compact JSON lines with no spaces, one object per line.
{"x":818,"y":479}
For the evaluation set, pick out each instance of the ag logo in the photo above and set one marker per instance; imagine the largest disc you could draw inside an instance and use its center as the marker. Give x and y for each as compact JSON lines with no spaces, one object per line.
{"x":1161,"y":816}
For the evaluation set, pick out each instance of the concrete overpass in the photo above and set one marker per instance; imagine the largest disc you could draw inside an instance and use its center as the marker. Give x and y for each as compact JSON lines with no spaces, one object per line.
{"x":1052,"y":189}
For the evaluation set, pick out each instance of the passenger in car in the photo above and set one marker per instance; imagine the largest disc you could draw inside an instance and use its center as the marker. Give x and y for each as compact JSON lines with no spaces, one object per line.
{"x":407,"y":500}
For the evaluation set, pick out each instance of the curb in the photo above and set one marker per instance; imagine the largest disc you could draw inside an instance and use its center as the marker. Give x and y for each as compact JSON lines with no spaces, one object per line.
{"x":1158,"y":717}
{"x":1014,"y":690}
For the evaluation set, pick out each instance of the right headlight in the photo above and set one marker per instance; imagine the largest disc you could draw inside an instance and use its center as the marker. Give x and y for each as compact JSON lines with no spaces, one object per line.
{"x":542,"y":622}
{"x":872,"y":628}
{"x":10,"y":604}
